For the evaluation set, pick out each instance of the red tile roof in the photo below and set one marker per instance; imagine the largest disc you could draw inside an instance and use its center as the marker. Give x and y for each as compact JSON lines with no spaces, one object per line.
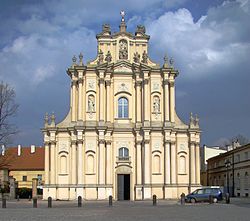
{"x":27,"y":160}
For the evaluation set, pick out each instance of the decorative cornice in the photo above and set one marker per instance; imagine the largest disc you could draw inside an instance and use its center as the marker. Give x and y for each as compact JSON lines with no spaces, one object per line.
{"x":101,"y":81}
{"x":171,"y":83}
{"x":53,"y":142}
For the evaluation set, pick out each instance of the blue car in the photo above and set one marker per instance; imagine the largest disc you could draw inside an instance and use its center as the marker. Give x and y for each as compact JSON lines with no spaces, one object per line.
{"x":202,"y":195}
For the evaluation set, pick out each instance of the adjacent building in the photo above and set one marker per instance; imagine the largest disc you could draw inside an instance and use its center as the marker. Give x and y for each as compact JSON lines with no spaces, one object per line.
{"x":25,"y":164}
{"x":122,"y":135}
{"x":231,"y":170}
{"x":206,"y":153}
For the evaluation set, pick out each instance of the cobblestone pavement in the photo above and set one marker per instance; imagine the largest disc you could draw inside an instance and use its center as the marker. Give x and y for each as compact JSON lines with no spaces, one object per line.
{"x":239,"y":210}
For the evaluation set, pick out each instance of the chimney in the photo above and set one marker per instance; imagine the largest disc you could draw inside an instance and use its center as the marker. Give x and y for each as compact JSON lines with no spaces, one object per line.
{"x":3,"y":150}
{"x":32,"y":149}
{"x":19,"y":150}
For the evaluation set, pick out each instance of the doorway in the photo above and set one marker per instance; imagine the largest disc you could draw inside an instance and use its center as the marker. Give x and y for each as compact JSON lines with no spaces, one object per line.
{"x":123,"y":184}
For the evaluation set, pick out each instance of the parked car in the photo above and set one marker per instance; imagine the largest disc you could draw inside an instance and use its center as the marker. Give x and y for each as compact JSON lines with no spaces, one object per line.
{"x":202,"y":195}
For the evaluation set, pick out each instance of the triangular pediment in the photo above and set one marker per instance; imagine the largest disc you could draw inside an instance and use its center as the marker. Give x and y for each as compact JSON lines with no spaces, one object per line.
{"x":123,"y":67}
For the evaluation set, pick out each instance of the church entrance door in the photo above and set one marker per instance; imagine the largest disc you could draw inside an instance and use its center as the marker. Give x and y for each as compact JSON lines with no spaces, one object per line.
{"x":123,"y":182}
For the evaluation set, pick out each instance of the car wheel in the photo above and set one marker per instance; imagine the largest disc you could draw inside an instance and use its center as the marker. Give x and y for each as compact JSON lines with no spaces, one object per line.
{"x":215,"y":200}
{"x":192,"y":200}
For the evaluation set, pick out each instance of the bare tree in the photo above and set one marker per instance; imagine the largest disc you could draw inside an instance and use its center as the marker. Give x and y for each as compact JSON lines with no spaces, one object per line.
{"x":8,"y":109}
{"x":241,"y":139}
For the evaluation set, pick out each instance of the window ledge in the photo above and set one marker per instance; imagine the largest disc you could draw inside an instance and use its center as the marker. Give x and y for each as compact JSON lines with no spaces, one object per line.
{"x":63,"y":174}
{"x":156,"y":173}
{"x":182,"y":173}
{"x":89,"y":173}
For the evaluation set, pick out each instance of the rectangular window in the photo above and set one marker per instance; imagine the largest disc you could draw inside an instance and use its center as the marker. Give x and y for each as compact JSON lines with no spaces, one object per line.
{"x":39,"y":176}
{"x":246,"y":155}
{"x":24,"y":178}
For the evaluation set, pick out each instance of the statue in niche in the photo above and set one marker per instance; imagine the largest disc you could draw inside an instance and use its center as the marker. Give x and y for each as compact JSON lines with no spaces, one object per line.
{"x":156,"y":104}
{"x":144,"y":57}
{"x":91,"y":103}
{"x":123,"y":49}
{"x":136,"y":57}
{"x":100,"y":57}
{"x":108,"y":57}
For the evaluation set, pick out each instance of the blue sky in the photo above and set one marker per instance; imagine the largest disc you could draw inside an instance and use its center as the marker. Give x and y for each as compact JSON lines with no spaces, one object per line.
{"x":209,"y":41}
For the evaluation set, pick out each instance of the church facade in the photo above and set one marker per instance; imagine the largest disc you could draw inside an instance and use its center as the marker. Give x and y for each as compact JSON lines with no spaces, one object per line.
{"x":122,"y":136}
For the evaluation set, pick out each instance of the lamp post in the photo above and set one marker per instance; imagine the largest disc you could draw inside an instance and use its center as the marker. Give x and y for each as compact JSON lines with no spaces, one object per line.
{"x":227,"y":165}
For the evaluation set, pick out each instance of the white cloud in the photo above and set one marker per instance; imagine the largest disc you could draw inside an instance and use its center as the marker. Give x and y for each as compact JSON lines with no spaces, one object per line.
{"x":203,"y":47}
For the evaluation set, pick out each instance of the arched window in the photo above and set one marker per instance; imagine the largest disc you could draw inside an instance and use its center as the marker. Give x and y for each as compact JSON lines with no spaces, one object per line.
{"x":123,"y":107}
{"x":156,"y":164}
{"x":63,"y":164}
{"x":123,"y":153}
{"x":182,"y":165}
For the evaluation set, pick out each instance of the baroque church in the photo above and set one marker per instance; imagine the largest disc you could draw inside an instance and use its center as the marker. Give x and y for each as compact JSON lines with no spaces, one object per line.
{"x":122,"y":136}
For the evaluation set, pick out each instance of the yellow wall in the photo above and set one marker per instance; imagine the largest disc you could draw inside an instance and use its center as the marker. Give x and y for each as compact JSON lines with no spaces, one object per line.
{"x":18,"y":175}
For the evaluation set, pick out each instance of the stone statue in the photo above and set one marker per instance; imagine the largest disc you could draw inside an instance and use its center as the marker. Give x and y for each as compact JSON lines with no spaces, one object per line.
{"x":140,"y":29}
{"x":144,"y":57}
{"x":196,"y":120}
{"x":191,"y":118}
{"x":136,"y":57}
{"x":91,"y":103}
{"x":81,"y":59}
{"x":106,"y":28}
{"x":123,"y":49}
{"x":108,"y":57}
{"x":156,"y":105}
{"x":122,"y":13}
{"x":100,"y":57}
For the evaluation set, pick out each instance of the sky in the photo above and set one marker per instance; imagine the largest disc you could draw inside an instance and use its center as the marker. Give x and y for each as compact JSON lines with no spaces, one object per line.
{"x":209,"y":41}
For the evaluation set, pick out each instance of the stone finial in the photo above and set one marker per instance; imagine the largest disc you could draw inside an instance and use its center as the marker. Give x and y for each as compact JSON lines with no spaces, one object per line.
{"x":122,"y":13}
{"x":136,"y":57}
{"x":46,"y":120}
{"x":140,"y":29}
{"x":191,"y":119}
{"x":106,"y":29}
{"x":171,"y":62}
{"x":123,"y":25}
{"x":165,"y":65}
{"x":196,"y":121}
{"x":144,"y":57}
{"x":108,"y":57}
{"x":100,"y":57}
{"x":81,"y":59}
{"x":53,"y":119}
{"x":74,"y":61}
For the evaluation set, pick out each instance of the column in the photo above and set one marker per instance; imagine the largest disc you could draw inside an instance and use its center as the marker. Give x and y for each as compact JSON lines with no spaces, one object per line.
{"x":109,"y":163}
{"x":166,"y":101}
{"x":167,"y":162}
{"x":192,"y":162}
{"x":138,"y":163}
{"x":73,"y":111}
{"x":102,"y":97}
{"x":147,"y":165}
{"x":197,"y":162}
{"x":53,"y":162}
{"x":138,"y":101}
{"x":73,"y":163}
{"x":80,"y":164}
{"x":172,"y":101}
{"x":108,"y":106}
{"x":102,"y":161}
{"x":80,"y":99}
{"x":173,"y":162}
{"x":146,"y":100}
{"x":46,"y":163}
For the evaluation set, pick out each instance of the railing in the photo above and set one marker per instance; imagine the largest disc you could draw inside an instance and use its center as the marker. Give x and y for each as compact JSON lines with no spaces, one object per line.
{"x":123,"y":158}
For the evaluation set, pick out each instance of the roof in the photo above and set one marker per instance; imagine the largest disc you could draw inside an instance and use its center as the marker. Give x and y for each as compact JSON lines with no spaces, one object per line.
{"x":27,"y":160}
{"x":228,"y":153}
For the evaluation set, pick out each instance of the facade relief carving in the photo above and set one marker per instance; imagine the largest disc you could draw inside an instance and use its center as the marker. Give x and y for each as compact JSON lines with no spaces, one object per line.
{"x":123,"y":87}
{"x":123,"y":49}
{"x":144,"y":57}
{"x":156,"y":86}
{"x":100,"y":57}
{"x":91,"y":85}
{"x":108,"y":57}
{"x":63,"y":146}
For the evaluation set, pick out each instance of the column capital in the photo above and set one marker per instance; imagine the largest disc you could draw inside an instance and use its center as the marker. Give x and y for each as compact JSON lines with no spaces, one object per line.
{"x":80,"y":80}
{"x":46,"y":143}
{"x":101,"y":80}
{"x":108,"y":82}
{"x":74,"y":82}
{"x":102,"y":141}
{"x":138,"y":83}
{"x":171,"y":83}
{"x":79,"y":141}
{"x":192,"y":142}
{"x":167,"y":141}
{"x":73,"y":142}
{"x":173,"y":142}
{"x":166,"y":82}
{"x":108,"y":142}
{"x":53,"y":142}
{"x":146,"y":81}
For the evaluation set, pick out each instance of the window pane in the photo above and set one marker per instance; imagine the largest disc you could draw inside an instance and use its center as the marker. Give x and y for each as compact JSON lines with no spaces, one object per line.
{"x":125,"y":152}
{"x":120,"y":152}
{"x":123,"y":107}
